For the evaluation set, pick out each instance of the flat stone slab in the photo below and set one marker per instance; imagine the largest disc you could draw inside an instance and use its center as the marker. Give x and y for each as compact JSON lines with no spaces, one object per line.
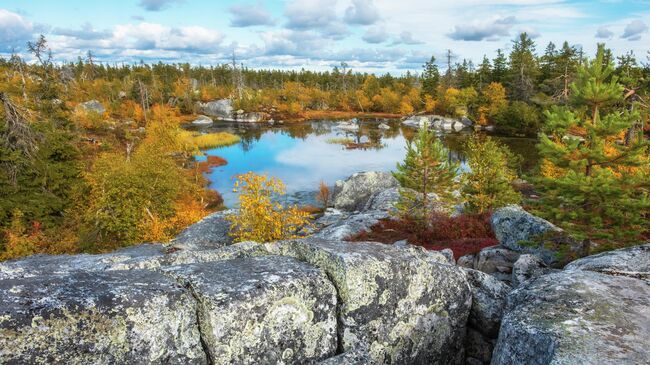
{"x":134,"y":317}
{"x":627,"y":260}
{"x":263,"y":310}
{"x":576,"y":317}
{"x":407,"y":305}
{"x":135,"y":257}
{"x":146,"y":256}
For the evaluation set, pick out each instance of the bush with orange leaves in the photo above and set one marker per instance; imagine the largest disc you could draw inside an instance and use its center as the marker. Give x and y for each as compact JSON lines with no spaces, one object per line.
{"x":260,"y":218}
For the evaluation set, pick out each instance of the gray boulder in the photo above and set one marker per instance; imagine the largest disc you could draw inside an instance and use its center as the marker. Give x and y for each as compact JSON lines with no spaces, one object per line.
{"x":384,"y":200}
{"x":263,"y":310}
{"x":91,"y":106}
{"x":512,"y":225}
{"x":521,"y":231}
{"x":351,"y":225}
{"x":251,"y":117}
{"x":357,"y":356}
{"x":627,"y":260}
{"x":202,"y":120}
{"x":119,"y":317}
{"x":417,"y":122}
{"x":221,"y":109}
{"x":488,"y":302}
{"x":350,"y":125}
{"x":466,"y":261}
{"x":528,"y":267}
{"x":135,"y":257}
{"x":146,"y":256}
{"x":466,"y":121}
{"x":407,"y":306}
{"x":496,"y":261}
{"x":353,"y":193}
{"x":576,"y":317}
{"x":209,"y":233}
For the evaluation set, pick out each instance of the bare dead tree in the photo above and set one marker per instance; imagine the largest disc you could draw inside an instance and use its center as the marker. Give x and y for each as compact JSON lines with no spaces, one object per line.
{"x":41,"y":51}
{"x":634,"y":98}
{"x":17,"y":64}
{"x":144,"y":98}
{"x":237,"y":79}
{"x":17,"y":136}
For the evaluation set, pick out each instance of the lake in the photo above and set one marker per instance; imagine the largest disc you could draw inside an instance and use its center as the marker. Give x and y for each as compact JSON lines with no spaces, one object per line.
{"x":306,"y":153}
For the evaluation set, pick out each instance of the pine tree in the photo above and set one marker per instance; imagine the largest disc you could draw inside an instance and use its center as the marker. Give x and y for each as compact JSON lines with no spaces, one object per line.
{"x":499,"y":67}
{"x":430,"y":77}
{"x":487,"y":185}
{"x":484,"y":72}
{"x":593,"y":184}
{"x":523,"y":68}
{"x":426,"y":169}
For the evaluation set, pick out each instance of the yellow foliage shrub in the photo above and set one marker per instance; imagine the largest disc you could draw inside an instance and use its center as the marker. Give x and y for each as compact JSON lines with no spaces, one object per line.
{"x":259,"y":218}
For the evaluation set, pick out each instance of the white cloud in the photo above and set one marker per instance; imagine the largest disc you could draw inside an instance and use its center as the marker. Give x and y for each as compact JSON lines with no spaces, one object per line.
{"x":247,"y":15}
{"x":14,"y":30}
{"x":634,"y":30}
{"x":478,"y":31}
{"x":406,"y":37}
{"x":375,"y":35}
{"x":604,"y":33}
{"x":361,"y":12}
{"x":157,"y":5}
{"x":310,"y":14}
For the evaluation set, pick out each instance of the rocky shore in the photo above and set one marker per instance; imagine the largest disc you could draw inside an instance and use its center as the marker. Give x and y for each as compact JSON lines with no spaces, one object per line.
{"x":321,"y":300}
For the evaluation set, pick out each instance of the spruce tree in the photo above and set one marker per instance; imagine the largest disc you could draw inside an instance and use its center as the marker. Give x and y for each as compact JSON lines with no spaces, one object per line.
{"x":426,"y":169}
{"x":430,"y":77}
{"x":499,"y":67}
{"x":594,"y":184}
{"x":523,"y":68}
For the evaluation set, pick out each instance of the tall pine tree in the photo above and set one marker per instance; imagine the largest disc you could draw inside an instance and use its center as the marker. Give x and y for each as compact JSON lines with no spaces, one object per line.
{"x":593,"y":184}
{"x":426,"y":169}
{"x":430,"y":77}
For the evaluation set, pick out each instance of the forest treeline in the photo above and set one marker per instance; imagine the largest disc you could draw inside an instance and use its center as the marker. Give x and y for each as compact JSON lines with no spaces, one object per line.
{"x":79,"y":179}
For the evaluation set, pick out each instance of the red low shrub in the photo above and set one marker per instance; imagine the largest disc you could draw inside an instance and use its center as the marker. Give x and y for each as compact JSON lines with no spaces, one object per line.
{"x":463,"y":234}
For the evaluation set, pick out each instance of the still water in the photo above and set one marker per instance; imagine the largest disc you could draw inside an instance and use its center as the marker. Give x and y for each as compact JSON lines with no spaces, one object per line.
{"x":304,"y":154}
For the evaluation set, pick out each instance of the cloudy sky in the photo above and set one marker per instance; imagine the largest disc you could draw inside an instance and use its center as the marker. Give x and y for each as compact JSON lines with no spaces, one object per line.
{"x":370,"y":35}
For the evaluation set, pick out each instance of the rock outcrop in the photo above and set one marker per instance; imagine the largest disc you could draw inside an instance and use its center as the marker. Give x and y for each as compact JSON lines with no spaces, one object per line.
{"x":288,"y":302}
{"x":202,"y":120}
{"x":406,"y":305}
{"x":223,"y":110}
{"x":518,"y":230}
{"x":353,"y":193}
{"x":579,"y":316}
{"x":203,"y":299}
{"x":209,"y":233}
{"x":101,"y":317}
{"x":91,"y":106}
{"x":488,"y":302}
{"x":263,"y":310}
{"x":528,"y":267}
{"x":438,"y":122}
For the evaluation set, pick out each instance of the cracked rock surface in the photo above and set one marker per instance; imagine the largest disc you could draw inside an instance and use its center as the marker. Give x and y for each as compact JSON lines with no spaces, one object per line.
{"x":98,"y":318}
{"x":580,"y":316}
{"x":262,"y":310}
{"x":407,"y":305}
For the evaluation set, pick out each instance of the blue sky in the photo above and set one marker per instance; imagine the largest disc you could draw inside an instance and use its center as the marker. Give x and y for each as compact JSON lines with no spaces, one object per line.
{"x":370,"y":35}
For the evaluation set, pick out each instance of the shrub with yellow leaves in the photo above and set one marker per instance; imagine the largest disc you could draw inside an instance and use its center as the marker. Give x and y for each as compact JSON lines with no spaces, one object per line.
{"x":260,"y":218}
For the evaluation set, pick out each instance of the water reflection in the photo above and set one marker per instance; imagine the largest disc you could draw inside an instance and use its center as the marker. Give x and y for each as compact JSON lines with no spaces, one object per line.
{"x":301,"y":156}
